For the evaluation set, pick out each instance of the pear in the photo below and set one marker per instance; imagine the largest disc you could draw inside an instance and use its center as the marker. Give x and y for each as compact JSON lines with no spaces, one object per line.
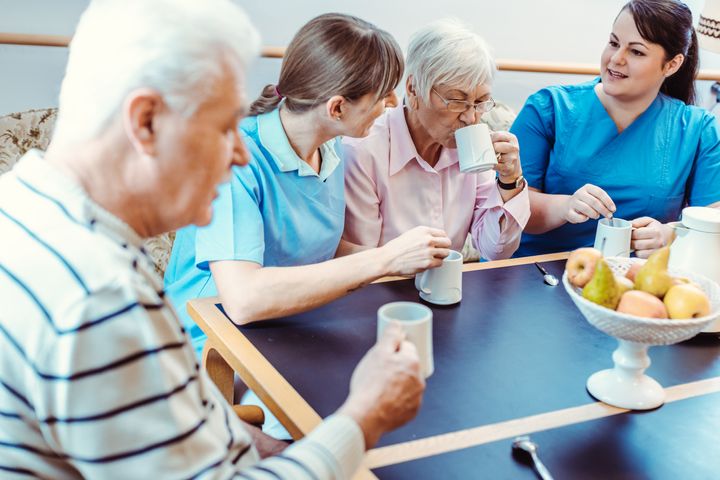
{"x":624,"y":284}
{"x":653,"y":277}
{"x":602,"y":288}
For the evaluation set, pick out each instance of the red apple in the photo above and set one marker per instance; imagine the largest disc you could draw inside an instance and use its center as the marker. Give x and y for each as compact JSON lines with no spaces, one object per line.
{"x":632,"y":271}
{"x":580,"y":265}
{"x":642,"y":304}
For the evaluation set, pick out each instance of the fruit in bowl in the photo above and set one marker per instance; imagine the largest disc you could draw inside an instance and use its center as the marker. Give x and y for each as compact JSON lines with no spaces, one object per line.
{"x":602,"y":288}
{"x":580,"y":265}
{"x":653,"y":293}
{"x":639,"y":320}
{"x":642,"y":304}
{"x":686,"y":301}
{"x":653,"y":277}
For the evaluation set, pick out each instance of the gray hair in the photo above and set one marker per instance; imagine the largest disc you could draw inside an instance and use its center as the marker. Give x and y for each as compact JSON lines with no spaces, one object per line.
{"x":446,"y":52}
{"x":180,"y":48}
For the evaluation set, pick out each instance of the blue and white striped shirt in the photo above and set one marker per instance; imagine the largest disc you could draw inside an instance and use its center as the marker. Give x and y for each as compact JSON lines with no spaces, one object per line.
{"x":97,"y":378}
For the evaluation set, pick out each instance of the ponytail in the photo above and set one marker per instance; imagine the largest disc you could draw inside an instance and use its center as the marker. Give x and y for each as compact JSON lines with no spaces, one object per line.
{"x":333,"y":54}
{"x":268,"y":101}
{"x":681,"y":84}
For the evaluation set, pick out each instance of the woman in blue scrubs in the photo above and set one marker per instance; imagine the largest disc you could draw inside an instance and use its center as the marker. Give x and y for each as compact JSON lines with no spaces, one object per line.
{"x":270,"y":249}
{"x":629,"y":144}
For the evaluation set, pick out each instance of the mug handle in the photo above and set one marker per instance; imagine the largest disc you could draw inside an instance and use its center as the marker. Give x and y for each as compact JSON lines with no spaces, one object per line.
{"x":420,"y":280}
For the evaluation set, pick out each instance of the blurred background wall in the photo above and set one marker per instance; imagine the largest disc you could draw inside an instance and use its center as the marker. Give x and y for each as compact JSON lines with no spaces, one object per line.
{"x":539,"y":30}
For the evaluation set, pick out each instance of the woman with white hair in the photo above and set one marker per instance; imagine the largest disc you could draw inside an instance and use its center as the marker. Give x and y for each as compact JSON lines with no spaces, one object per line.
{"x":406,"y":172}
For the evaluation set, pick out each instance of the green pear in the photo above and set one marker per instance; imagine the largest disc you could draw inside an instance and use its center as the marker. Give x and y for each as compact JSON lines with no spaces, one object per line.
{"x":603,"y":288}
{"x":624,"y":284}
{"x":653,"y":277}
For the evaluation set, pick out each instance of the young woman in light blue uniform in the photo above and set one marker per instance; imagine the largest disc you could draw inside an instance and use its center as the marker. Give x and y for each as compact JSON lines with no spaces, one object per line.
{"x":276,"y":230}
{"x":277,"y":211}
{"x":587,"y":158}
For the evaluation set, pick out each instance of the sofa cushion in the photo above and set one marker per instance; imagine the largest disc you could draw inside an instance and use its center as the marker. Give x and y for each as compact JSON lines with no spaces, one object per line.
{"x":22,"y":131}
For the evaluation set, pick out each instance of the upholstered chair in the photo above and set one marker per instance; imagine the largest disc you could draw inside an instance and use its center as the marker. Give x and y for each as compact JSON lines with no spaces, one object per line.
{"x":22,"y":131}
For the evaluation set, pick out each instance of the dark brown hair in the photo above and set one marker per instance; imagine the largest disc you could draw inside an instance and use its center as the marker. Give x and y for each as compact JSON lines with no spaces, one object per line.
{"x":334,"y":54}
{"x":669,"y":24}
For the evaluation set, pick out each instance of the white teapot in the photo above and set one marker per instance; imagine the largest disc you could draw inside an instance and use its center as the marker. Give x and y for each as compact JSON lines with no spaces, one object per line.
{"x":697,"y":245}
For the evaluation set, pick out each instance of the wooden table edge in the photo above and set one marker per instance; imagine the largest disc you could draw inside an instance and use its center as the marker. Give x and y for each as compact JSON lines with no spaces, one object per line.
{"x":483,"y":434}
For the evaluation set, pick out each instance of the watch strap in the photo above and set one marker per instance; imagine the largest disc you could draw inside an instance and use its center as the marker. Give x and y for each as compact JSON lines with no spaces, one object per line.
{"x":519,"y":182}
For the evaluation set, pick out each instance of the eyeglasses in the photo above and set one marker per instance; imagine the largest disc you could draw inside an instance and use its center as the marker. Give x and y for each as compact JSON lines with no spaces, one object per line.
{"x":461,"y":106}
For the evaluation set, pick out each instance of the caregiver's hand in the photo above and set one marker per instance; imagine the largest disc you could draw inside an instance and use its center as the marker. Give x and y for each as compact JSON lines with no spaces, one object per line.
{"x":589,"y":201}
{"x":648,"y":235}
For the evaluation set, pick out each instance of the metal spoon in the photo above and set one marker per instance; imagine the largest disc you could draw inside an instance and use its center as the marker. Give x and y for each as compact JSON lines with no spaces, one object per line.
{"x":524,"y":447}
{"x":549,"y":278}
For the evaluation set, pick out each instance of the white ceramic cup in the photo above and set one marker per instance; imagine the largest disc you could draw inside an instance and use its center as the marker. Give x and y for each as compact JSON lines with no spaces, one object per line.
{"x":613,"y":236}
{"x":442,"y":285}
{"x":416,"y":321}
{"x":475,"y":148}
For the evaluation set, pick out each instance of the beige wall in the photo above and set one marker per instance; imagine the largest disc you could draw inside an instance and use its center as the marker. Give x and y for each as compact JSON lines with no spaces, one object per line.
{"x":552,"y":30}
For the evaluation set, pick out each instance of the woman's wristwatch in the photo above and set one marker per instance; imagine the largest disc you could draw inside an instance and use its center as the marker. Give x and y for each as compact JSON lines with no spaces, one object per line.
{"x":519,"y":182}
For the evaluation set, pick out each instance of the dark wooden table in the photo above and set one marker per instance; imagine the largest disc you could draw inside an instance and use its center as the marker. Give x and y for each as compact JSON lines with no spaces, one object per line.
{"x":512,"y":358}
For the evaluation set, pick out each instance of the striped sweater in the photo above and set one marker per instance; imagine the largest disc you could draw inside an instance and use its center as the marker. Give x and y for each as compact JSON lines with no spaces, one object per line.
{"x":97,"y":378}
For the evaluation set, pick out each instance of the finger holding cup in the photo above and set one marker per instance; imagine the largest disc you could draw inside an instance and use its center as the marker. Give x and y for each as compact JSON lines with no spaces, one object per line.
{"x":507,"y":150}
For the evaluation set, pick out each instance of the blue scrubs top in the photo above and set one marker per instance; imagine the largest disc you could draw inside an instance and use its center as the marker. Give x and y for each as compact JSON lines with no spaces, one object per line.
{"x":668,"y":158}
{"x":277,"y":211}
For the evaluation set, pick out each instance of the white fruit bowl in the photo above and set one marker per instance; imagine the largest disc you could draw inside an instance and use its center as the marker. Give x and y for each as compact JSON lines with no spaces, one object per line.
{"x":626,"y":385}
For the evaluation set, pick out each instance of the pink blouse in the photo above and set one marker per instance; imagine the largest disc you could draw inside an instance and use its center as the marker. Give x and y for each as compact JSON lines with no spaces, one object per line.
{"x":390,"y":189}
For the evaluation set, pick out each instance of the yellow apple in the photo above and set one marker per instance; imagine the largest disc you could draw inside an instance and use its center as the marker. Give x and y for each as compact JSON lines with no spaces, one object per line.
{"x":684,"y":281}
{"x":686,"y":301}
{"x":580,"y":265}
{"x":642,"y":304}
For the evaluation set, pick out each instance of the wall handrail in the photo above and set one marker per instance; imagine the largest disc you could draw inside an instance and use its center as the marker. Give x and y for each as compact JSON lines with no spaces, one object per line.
{"x":509,"y":65}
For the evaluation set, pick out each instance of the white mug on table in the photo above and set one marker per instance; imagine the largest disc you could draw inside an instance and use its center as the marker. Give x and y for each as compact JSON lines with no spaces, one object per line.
{"x":442,"y":285}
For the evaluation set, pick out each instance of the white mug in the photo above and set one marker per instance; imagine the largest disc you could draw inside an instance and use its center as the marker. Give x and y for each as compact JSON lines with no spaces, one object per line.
{"x":442,"y":285}
{"x":475,"y":148}
{"x":416,"y":321}
{"x":613,"y":236}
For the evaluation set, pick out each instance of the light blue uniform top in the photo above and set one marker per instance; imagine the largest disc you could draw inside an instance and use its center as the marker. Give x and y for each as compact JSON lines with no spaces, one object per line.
{"x":668,"y":158}
{"x":277,"y":211}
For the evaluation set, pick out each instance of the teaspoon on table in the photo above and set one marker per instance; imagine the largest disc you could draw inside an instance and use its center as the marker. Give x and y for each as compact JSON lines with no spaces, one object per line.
{"x":526,"y":450}
{"x":549,"y":278}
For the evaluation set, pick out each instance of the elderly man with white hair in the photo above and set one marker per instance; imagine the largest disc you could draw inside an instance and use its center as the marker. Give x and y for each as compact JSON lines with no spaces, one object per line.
{"x":406,"y":172}
{"x":97,"y":377}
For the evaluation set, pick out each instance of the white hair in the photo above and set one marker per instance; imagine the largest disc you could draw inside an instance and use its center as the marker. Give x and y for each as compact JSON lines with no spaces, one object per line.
{"x":180,"y":48}
{"x":446,"y":52}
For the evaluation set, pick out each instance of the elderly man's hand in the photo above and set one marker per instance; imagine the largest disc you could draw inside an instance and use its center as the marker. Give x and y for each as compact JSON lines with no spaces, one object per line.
{"x":386,"y":387}
{"x":508,"y":153}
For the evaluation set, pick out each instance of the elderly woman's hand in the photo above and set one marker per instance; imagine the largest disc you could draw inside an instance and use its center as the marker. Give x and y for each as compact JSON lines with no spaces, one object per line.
{"x":508,"y":152}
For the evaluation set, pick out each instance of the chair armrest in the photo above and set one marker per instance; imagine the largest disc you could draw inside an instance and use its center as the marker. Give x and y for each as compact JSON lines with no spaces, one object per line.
{"x":251,"y":414}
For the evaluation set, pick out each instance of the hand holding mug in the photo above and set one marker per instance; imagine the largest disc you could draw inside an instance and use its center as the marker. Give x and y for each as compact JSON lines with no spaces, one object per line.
{"x":415,"y":250}
{"x":507,"y":150}
{"x":386,"y":387}
{"x":649,"y":235}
